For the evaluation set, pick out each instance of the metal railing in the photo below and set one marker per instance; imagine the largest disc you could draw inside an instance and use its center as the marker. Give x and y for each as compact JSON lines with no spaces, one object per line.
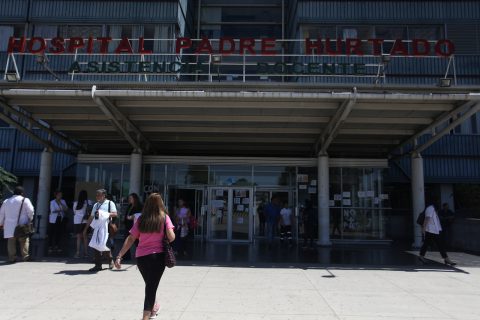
{"x":217,"y":66}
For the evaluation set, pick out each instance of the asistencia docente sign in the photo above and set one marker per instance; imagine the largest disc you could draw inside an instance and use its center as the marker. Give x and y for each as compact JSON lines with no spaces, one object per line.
{"x":225,"y":46}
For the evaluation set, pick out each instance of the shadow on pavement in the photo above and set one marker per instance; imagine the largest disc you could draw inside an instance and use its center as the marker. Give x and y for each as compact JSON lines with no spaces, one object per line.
{"x":260,"y":255}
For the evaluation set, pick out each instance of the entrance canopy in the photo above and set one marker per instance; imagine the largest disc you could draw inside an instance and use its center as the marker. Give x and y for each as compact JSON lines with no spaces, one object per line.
{"x":236,"y":119}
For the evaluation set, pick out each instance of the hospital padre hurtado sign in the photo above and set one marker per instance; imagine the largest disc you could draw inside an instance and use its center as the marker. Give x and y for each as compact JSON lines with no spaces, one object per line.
{"x":350,"y":47}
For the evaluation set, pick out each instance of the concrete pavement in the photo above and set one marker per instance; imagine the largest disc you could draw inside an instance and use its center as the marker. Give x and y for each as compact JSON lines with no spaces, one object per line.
{"x":65,"y":290}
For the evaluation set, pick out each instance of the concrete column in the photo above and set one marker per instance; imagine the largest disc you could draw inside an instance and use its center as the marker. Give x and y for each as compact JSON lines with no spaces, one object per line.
{"x":135,"y":173}
{"x":418,"y":197}
{"x":323,"y":203}
{"x":43,"y":196}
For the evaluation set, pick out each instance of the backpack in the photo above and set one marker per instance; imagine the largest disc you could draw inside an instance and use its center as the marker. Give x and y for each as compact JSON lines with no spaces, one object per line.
{"x":421,"y":218}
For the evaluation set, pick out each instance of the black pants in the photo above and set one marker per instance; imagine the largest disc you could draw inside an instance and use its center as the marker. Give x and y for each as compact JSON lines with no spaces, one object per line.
{"x":262,"y":227}
{"x":151,"y":267}
{"x":286,"y":233}
{"x":308,"y":231}
{"x":100,"y":256}
{"x":430,"y":240}
{"x":55,"y":232}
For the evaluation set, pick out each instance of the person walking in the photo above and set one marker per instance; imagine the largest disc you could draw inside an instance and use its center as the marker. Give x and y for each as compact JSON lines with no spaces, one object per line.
{"x":286,"y":224}
{"x":447,"y":218}
{"x":57,"y":222}
{"x":261,"y":217}
{"x":17,"y":210}
{"x":134,"y":207}
{"x":308,"y":224}
{"x":81,"y":212}
{"x":431,"y":231}
{"x":183,"y":216}
{"x":272,"y":215}
{"x":109,"y":207}
{"x":149,"y":230}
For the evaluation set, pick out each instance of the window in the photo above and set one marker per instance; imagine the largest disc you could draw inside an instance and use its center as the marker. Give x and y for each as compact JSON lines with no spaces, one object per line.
{"x":84,"y":31}
{"x":149,"y":33}
{"x":45,"y":31}
{"x":390,"y":34}
{"x":319,"y":32}
{"x":131,"y":32}
{"x":426,"y":32}
{"x":6,"y":32}
{"x":359,"y":32}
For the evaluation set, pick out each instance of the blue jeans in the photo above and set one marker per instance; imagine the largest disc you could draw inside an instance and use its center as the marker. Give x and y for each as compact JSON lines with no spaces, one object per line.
{"x":271,"y":230}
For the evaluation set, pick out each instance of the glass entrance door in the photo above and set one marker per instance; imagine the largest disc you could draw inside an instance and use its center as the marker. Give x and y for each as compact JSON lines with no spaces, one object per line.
{"x":230,"y":214}
{"x":193,"y":198}
{"x":241,"y":217}
{"x":263,"y":197}
{"x":218,"y":214}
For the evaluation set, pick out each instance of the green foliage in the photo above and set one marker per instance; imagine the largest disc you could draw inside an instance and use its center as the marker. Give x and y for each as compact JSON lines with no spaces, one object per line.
{"x":7,"y":180}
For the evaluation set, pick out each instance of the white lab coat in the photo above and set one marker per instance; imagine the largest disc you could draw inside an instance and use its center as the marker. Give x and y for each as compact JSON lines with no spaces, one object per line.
{"x":9,"y":214}
{"x":100,"y":231}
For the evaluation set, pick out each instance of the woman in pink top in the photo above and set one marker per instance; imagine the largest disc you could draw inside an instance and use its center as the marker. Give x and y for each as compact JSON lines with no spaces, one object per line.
{"x":148,"y":229}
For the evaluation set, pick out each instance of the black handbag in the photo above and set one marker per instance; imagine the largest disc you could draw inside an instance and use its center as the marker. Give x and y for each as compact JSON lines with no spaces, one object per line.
{"x":421,"y":218}
{"x":170,"y":259}
{"x":23,"y":230}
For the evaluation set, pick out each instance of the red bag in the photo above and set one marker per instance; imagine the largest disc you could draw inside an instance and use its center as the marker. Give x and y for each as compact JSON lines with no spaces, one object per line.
{"x":193,"y":223}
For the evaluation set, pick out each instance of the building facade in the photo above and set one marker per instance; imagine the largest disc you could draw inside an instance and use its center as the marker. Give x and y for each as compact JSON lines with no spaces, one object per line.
{"x":363,"y":108}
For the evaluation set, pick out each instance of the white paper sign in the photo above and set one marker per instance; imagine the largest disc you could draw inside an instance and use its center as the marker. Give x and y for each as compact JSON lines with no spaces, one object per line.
{"x":312,"y":190}
{"x":237,"y":200}
{"x":347,"y":202}
{"x":346,"y":194}
{"x":337,"y":197}
{"x":370,"y":194}
{"x":240,"y":207}
{"x":217,"y":203}
{"x":361,"y":194}
{"x":240,"y":220}
{"x":302,"y":187}
{"x":302,"y":178}
{"x":376,"y":200}
{"x":384,"y":196}
{"x":245,"y":200}
{"x":313,"y":183}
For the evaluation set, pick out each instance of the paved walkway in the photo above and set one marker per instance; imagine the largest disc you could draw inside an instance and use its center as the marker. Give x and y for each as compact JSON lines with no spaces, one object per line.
{"x":64,"y":290}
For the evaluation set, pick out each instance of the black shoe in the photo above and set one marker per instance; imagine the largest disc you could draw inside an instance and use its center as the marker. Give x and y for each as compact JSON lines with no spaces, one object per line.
{"x":95,"y":269}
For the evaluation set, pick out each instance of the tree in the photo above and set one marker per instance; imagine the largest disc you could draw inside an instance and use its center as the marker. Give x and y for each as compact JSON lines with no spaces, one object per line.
{"x":7,"y":180}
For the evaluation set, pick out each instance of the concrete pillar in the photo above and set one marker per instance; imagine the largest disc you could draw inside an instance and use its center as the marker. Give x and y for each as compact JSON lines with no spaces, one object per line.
{"x":43,"y":197}
{"x":323,"y":201}
{"x":135,"y":173}
{"x":418,"y":197}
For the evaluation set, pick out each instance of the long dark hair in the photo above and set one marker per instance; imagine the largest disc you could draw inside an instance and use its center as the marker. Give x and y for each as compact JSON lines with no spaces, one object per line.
{"x":153,"y":214}
{"x":82,"y":199}
{"x":136,"y":206}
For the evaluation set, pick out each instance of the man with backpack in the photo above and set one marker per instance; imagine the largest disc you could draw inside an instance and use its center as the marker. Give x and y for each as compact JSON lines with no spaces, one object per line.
{"x":431,"y":229}
{"x":105,"y":205}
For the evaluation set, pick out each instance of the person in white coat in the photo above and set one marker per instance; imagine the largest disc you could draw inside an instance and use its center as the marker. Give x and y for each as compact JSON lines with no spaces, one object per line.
{"x":102,"y":205}
{"x":16,"y":205}
{"x":57,"y":220}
